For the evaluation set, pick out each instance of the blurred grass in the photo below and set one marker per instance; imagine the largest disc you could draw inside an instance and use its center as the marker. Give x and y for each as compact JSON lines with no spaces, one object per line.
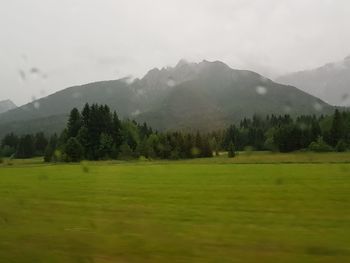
{"x":295,"y":157}
{"x":241,"y":158}
{"x":206,"y":210}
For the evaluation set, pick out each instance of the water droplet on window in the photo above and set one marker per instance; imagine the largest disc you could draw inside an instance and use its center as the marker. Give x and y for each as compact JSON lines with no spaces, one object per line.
{"x":318,"y":106}
{"x":36,"y":105}
{"x":128,"y":79}
{"x":135,"y":113}
{"x":35,"y":72}
{"x":76,"y":95}
{"x":22,"y":75}
{"x":287,"y":109}
{"x":85,"y":167}
{"x":171,"y":82}
{"x":261,"y":90}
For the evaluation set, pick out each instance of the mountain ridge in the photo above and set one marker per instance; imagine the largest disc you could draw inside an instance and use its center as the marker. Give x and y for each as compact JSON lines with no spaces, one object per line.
{"x":330,"y":82}
{"x":6,"y":105}
{"x":205,"y":95}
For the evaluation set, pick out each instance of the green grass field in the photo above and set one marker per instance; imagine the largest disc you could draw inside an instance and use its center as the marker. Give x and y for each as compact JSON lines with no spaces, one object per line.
{"x":255,"y":208}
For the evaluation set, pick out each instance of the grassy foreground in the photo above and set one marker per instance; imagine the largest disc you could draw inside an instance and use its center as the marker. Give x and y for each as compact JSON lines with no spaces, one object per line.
{"x":185,"y":211}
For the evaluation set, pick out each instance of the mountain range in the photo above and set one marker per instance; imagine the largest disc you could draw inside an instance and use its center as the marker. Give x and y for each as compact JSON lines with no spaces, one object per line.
{"x":330,"y":82}
{"x":190,"y":96}
{"x":6,"y":105}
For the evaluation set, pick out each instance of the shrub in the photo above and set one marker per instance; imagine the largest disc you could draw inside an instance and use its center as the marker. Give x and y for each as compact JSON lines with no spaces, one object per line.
{"x":341,"y":146}
{"x":8,"y":151}
{"x":143,"y":158}
{"x":175,"y":155}
{"x":320,"y":146}
{"x":231,"y":150}
{"x":125,"y":152}
{"x":106,"y":146}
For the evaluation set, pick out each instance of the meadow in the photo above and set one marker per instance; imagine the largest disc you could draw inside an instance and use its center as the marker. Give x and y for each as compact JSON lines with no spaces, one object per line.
{"x":254,"y":208}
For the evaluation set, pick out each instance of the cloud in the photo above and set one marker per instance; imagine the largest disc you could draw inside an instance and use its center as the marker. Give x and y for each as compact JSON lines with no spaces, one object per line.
{"x":80,"y":41}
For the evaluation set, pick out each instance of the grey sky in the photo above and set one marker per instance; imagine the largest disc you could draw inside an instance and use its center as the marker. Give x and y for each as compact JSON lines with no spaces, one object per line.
{"x":48,"y":45}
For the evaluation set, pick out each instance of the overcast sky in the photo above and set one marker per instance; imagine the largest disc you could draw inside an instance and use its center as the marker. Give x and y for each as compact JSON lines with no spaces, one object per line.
{"x":48,"y":45}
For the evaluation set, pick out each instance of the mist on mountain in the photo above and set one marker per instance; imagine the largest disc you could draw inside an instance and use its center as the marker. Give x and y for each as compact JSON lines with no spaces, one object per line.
{"x":188,"y":96}
{"x":330,"y":82}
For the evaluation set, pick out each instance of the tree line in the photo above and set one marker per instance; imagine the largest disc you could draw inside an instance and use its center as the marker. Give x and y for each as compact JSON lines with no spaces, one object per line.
{"x":96,"y":133}
{"x":285,"y":134}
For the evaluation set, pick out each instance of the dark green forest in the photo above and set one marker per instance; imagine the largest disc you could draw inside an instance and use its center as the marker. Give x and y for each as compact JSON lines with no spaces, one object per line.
{"x":97,"y":133}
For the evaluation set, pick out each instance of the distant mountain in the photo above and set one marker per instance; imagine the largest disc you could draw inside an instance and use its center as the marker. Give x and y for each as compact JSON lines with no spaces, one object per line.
{"x":330,"y":82}
{"x":216,"y":95}
{"x":205,"y":95}
{"x":6,"y":105}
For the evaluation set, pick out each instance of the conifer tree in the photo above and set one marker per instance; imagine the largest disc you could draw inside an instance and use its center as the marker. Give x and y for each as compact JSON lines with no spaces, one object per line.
{"x":198,"y":146}
{"x":40,"y":144}
{"x":207,"y":151}
{"x":117,"y":131}
{"x":73,"y":150}
{"x":74,"y":123}
{"x":85,"y":115}
{"x":336,"y":132}
{"x":49,"y":154}
{"x":26,"y":147}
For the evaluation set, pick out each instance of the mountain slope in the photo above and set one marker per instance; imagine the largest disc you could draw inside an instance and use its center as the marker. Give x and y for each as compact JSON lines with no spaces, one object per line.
{"x":205,"y":95}
{"x":330,"y":82}
{"x":49,"y":125}
{"x":220,"y":95}
{"x":6,"y":105}
{"x":112,"y":93}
